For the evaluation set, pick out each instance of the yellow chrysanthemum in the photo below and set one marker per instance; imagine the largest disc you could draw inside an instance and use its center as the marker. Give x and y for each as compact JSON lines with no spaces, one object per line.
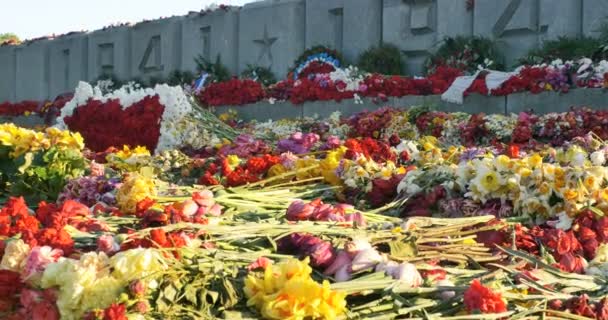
{"x":313,"y":171}
{"x":134,"y":189}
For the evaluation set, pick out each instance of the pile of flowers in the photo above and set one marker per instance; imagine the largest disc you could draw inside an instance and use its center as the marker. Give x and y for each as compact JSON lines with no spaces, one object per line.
{"x":327,"y":81}
{"x":31,"y":107}
{"x":161,"y":118}
{"x":389,"y":213}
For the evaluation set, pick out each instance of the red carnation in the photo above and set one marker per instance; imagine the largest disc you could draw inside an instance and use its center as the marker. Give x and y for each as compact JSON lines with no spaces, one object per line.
{"x":479,"y":298}
{"x":115,"y":312}
{"x":56,"y":238}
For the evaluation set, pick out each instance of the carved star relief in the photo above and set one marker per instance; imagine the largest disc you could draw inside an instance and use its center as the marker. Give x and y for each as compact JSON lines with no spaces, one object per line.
{"x":265,"y":45}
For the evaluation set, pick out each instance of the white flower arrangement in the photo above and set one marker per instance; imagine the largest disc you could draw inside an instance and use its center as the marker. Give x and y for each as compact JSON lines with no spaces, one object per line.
{"x":176,"y":128}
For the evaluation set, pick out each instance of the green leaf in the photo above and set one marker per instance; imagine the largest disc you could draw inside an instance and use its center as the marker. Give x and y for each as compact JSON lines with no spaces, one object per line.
{"x":599,"y":213}
{"x":403,"y":249}
{"x":190,"y":293}
{"x":170,"y":293}
{"x":27,"y":162}
{"x":147,"y":172}
{"x":209,"y":297}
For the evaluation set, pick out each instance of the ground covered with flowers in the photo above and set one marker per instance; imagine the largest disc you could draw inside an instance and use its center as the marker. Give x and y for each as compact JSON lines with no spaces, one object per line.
{"x":390,"y":214}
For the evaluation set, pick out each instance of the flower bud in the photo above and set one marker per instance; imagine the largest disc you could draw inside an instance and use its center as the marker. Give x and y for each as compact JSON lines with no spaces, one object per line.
{"x":141,"y":307}
{"x":107,"y":244}
{"x":137,"y":288}
{"x":298,"y":211}
{"x":446,"y":295}
{"x":408,"y":274}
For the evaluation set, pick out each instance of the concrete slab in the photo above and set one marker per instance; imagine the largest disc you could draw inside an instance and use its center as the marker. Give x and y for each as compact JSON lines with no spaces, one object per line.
{"x":454,"y":19}
{"x":156,"y":48}
{"x":68,"y":63}
{"x":110,"y":53}
{"x":473,"y":103}
{"x":547,"y":102}
{"x":521,"y":25}
{"x":351,"y":26}
{"x":412,"y":26}
{"x":7,"y":76}
{"x":324,"y":109}
{"x":210,"y":35}
{"x":32,"y":74}
{"x":272,"y":34}
{"x":594,"y":13}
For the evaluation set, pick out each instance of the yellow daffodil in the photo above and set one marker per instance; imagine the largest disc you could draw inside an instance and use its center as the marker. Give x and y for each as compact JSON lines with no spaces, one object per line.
{"x":286,"y":291}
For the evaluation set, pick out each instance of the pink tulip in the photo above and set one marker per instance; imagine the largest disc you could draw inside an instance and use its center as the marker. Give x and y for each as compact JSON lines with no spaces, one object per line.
{"x":342,"y":259}
{"x":366,"y":259}
{"x":204,"y":198}
{"x":189,"y":208}
{"x":357,"y":218}
{"x":355,"y":246}
{"x":215,"y":211}
{"x":343,"y":207}
{"x":343,"y":274}
{"x":299,"y":211}
{"x":107,"y":244}
{"x":138,"y":288}
{"x":260,"y":263}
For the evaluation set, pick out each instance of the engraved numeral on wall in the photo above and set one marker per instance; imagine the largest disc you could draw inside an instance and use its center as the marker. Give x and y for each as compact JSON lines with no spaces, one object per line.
{"x":206,"y":40}
{"x":337,"y":20}
{"x":513,"y":18}
{"x":152,"y":58}
{"x":105,"y":58}
{"x":65,"y":57}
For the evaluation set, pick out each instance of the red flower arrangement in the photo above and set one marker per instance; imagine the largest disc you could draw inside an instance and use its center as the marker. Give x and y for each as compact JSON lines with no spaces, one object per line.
{"x":104,"y":125}
{"x":316,"y":67}
{"x":384,"y":190}
{"x":234,"y":92}
{"x":15,"y":219}
{"x":370,"y":124}
{"x":474,"y":129}
{"x":370,"y":148}
{"x":19,"y":108}
{"x":252,"y":170}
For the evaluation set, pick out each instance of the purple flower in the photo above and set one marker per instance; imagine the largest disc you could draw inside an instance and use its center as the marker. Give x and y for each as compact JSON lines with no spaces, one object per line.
{"x":333,"y":142}
{"x":470,"y":154}
{"x":298,"y":143}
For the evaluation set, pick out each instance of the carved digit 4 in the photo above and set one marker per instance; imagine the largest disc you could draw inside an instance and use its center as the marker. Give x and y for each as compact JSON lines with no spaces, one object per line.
{"x":152,"y":59}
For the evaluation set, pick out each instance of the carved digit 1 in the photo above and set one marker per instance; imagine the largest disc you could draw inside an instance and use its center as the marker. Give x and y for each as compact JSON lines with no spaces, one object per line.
{"x":66,"y":68}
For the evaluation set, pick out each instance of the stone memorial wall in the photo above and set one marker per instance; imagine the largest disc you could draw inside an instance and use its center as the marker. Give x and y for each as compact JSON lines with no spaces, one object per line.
{"x":273,"y":33}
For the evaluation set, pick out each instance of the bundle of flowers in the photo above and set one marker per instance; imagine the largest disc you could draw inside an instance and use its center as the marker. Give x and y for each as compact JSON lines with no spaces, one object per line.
{"x":159,"y":118}
{"x":31,"y":107}
{"x":324,"y":82}
{"x":20,"y":108}
{"x":36,"y":164}
{"x":390,"y":213}
{"x":234,"y":92}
